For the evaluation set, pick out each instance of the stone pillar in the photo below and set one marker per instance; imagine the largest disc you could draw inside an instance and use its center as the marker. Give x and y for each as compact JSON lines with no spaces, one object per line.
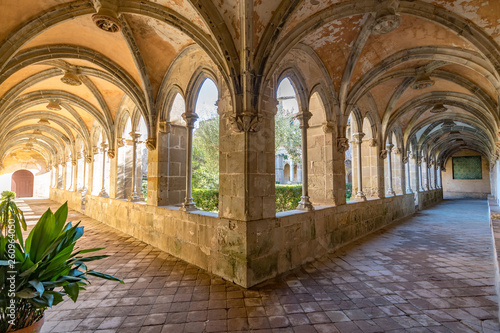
{"x":90,"y":178}
{"x":406,"y":160}
{"x":190,"y":118}
{"x":429,"y":175}
{"x":304,"y":203}
{"x":133,"y":142}
{"x":390,"y":190}
{"x":113,"y":169}
{"x":65,"y":174}
{"x":86,"y":160}
{"x":399,"y":171}
{"x":103,"y":192}
{"x":74,"y":163}
{"x":338,"y":148}
{"x":358,"y":140}
{"x":434,"y":167}
{"x":421,"y":181}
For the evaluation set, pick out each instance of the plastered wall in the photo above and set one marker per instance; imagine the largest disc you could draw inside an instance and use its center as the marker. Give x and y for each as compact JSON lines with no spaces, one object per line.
{"x":466,"y":188}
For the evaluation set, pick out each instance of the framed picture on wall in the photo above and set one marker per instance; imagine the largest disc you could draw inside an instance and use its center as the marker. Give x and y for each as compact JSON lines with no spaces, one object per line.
{"x":467,"y":167}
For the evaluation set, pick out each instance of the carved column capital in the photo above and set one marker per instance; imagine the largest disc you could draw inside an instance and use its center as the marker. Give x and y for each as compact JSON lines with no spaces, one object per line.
{"x":383,"y":154}
{"x":74,"y":161}
{"x":104,"y":146}
{"x":405,"y":159}
{"x":396,"y":150}
{"x":245,"y":122}
{"x":190,"y":118}
{"x":358,"y":137}
{"x":111,"y":153}
{"x":329,"y":127}
{"x":164,"y":126}
{"x":303,"y":117}
{"x":135,"y":136}
{"x":151,"y":144}
{"x":342,"y":145}
{"x":88,"y":159}
{"x":372,"y":142}
{"x":389,"y":146}
{"x":120,"y":142}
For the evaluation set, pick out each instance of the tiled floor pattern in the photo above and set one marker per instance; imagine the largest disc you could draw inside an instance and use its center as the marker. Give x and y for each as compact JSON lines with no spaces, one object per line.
{"x":432,"y":273}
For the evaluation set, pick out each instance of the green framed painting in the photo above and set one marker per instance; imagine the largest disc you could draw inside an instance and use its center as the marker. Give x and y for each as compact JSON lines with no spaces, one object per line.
{"x":467,"y":167}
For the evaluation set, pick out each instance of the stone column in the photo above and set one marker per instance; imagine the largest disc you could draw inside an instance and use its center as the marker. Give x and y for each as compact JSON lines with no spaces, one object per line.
{"x":435,"y":175}
{"x":305,"y":203}
{"x":133,"y":142}
{"x":358,"y":140}
{"x":103,"y":192}
{"x":74,"y":162}
{"x":421,"y":181}
{"x":86,"y":160}
{"x":406,"y":160}
{"x":90,"y":180}
{"x":190,"y":118}
{"x":390,"y":190}
{"x":429,"y":176}
{"x":65,"y":174}
{"x":291,"y":171}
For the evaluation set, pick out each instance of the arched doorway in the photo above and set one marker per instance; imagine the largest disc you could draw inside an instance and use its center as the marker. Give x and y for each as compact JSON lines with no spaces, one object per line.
{"x":22,"y":183}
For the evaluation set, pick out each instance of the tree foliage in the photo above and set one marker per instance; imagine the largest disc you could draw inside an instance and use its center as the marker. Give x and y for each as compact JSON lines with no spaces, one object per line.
{"x":206,"y":154}
{"x":288,"y":135}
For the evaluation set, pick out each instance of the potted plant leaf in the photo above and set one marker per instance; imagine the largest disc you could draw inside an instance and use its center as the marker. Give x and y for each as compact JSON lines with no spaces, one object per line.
{"x":39,"y":272}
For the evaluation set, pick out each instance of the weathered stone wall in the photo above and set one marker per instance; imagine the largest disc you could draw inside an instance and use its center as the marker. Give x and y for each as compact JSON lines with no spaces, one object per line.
{"x":429,"y":198}
{"x":294,"y":238}
{"x":216,"y":245}
{"x":74,"y":199}
{"x":466,"y":188}
{"x":243,"y":252}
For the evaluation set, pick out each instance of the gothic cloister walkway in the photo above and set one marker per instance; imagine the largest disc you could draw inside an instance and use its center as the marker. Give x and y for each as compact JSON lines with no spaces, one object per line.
{"x":432,"y":273}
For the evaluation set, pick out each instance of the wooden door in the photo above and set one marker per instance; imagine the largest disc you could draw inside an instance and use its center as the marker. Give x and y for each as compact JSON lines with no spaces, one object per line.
{"x":22,"y":183}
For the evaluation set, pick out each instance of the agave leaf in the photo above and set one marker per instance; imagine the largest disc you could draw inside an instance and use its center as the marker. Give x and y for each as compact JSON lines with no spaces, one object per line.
{"x":40,"y":235}
{"x":104,"y":276}
{"x":60,"y":217}
{"x":57,"y":296}
{"x":27,"y":293}
{"x":87,"y":259}
{"x":29,"y":271}
{"x":72,"y":290}
{"x":87,"y":251}
{"x":37,"y":285}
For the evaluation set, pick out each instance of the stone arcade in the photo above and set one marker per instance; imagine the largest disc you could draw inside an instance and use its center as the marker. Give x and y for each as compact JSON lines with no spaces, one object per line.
{"x":88,"y":87}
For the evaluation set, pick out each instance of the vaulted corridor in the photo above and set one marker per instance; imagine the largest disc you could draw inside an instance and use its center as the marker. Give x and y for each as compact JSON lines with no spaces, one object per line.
{"x":431,"y":273}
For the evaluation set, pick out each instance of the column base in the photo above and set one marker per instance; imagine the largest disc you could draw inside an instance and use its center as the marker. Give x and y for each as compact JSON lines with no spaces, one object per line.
{"x":134,"y":198}
{"x":360,"y":196}
{"x":104,"y":194}
{"x":409,"y":191}
{"x":390,"y":193}
{"x":305,"y":204}
{"x":188,"y":206}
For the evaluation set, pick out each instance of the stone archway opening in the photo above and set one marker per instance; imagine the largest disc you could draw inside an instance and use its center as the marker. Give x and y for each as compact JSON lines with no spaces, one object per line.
{"x":22,"y":183}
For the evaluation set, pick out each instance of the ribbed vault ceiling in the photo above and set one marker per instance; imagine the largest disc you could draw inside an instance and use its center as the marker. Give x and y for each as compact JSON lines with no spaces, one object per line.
{"x":454,"y":44}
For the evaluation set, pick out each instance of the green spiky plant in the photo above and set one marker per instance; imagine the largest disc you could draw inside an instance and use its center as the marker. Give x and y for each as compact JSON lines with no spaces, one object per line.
{"x":46,"y":268}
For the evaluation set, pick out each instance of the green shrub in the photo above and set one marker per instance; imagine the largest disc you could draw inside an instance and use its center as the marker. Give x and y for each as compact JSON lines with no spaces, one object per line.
{"x":287,"y":197}
{"x":206,"y":199}
{"x":348,"y":190}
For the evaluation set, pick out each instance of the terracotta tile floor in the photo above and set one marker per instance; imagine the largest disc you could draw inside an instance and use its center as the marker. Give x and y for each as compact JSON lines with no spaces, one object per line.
{"x":432,"y":273}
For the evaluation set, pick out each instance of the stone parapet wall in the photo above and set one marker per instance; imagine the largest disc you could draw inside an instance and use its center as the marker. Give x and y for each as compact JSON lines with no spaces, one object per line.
{"x":429,"y":198}
{"x":216,"y":245}
{"x":294,"y":238}
{"x":74,"y":199}
{"x":245,"y":252}
{"x":494,"y":211}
